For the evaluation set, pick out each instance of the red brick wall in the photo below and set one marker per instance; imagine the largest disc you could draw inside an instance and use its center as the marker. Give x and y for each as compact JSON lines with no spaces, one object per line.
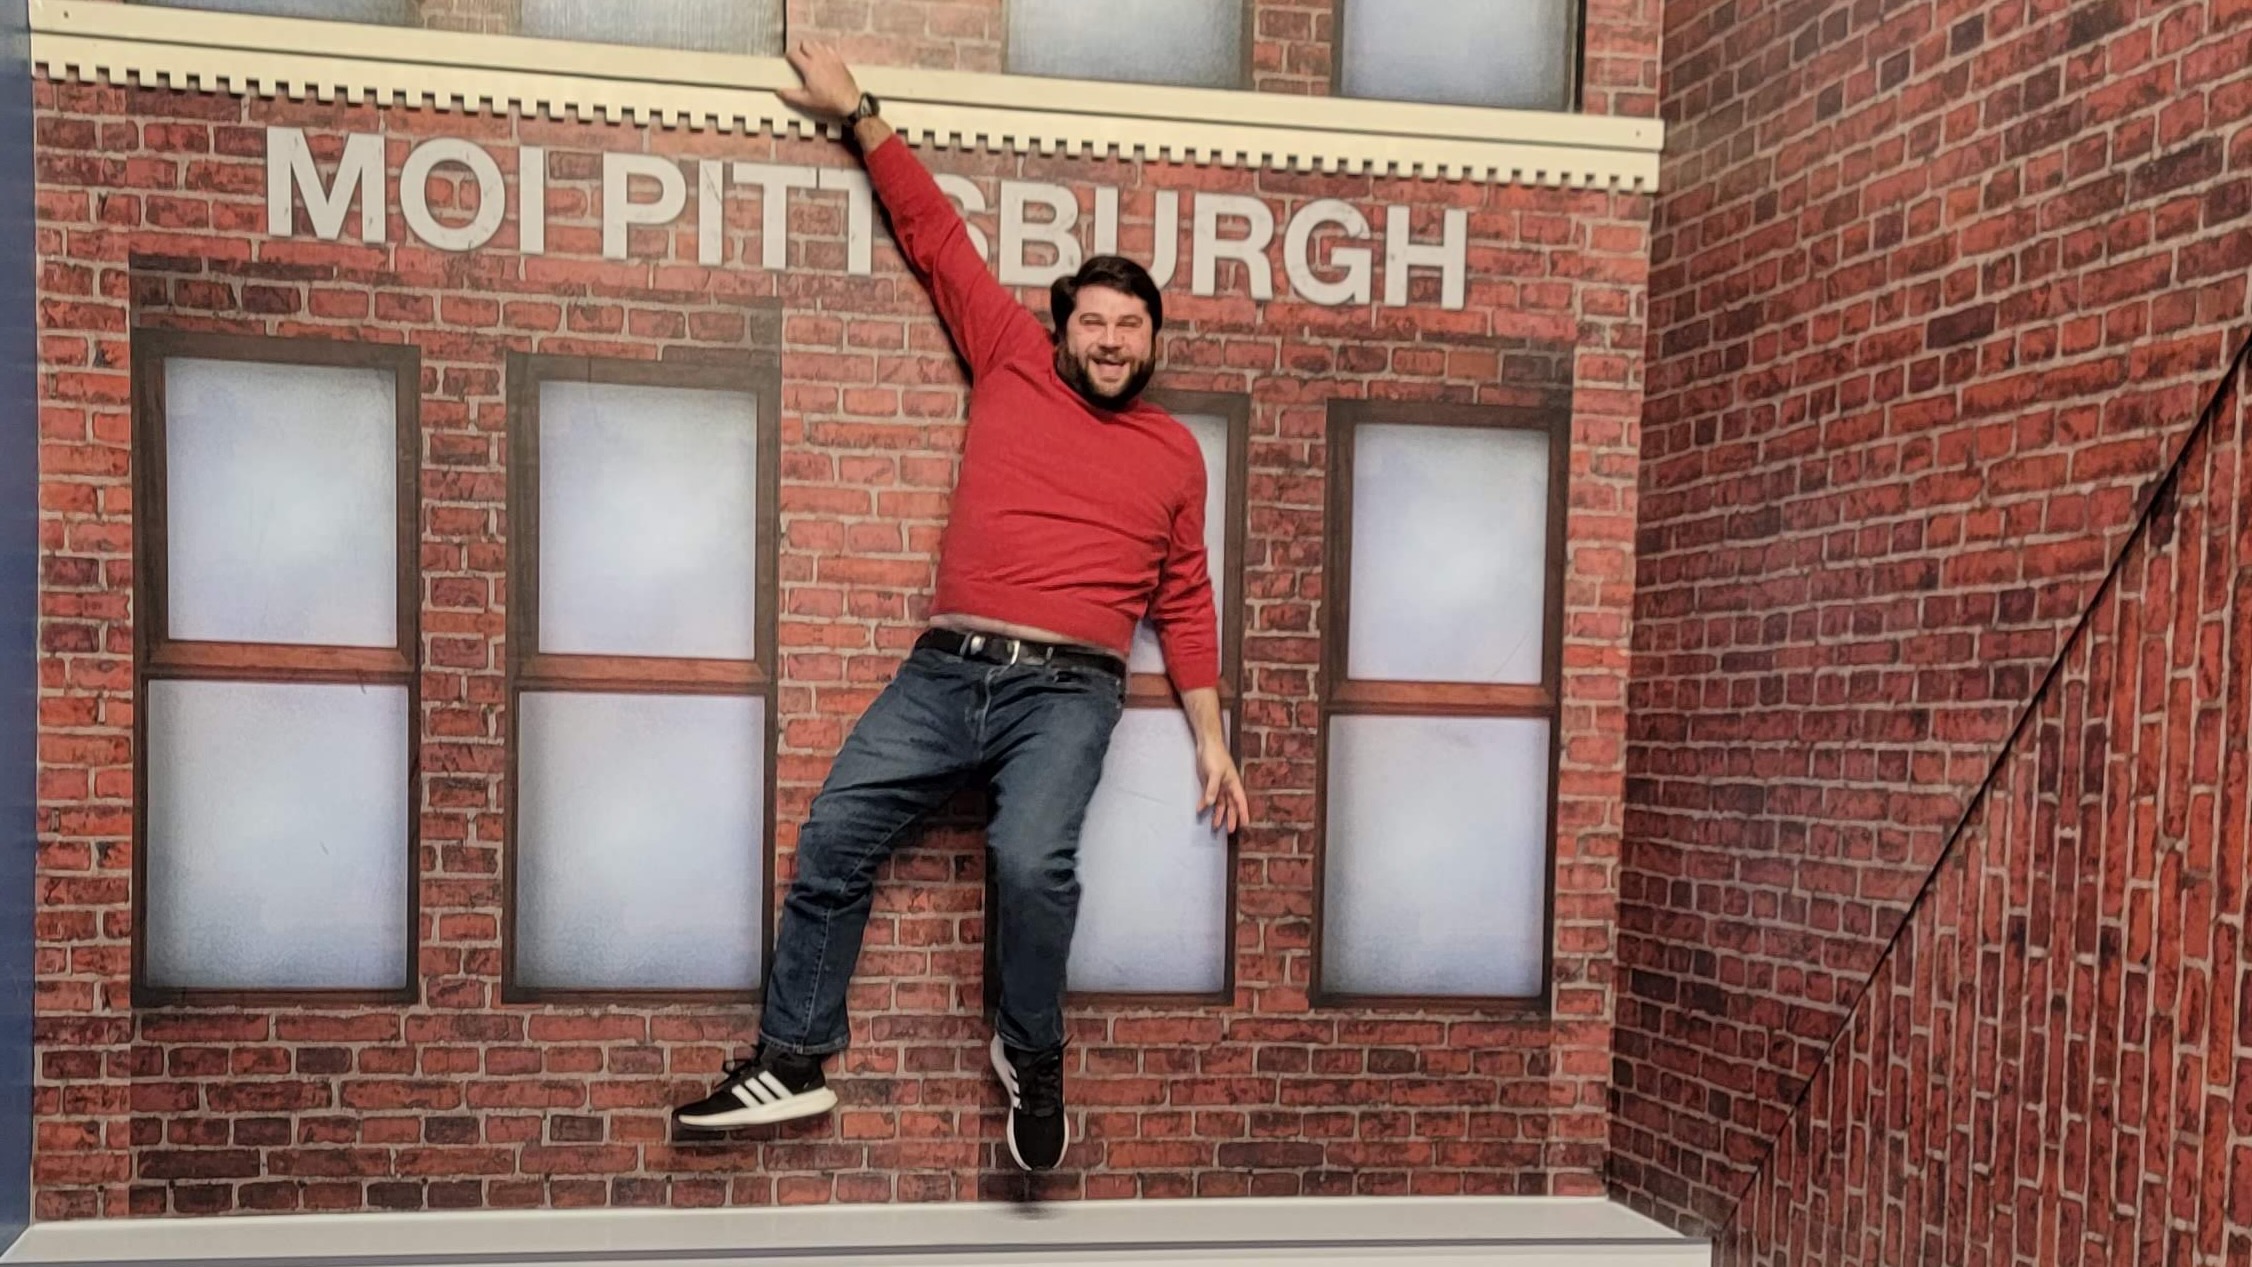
{"x":152,"y":209}
{"x":1934,"y":286}
{"x":2051,"y":1064}
{"x":935,"y":34}
{"x":1293,"y":43}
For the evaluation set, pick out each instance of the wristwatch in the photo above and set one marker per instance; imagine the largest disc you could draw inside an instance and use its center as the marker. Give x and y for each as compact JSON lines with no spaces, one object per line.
{"x":865,"y":110}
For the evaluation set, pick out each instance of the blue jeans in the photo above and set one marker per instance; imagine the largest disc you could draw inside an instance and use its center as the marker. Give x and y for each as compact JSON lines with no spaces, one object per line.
{"x":1037,"y":735}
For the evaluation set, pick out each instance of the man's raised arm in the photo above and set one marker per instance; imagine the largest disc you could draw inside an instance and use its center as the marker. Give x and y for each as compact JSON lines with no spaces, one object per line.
{"x":987,"y":322}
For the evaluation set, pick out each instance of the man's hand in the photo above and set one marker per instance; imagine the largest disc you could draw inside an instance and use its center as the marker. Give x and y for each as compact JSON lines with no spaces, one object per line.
{"x":1223,"y":788}
{"x":1215,"y":769}
{"x":830,"y":91}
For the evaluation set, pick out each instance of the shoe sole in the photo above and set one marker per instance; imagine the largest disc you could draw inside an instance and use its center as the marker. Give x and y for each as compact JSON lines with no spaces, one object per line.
{"x":796,"y":1106}
{"x":1009,"y":1081}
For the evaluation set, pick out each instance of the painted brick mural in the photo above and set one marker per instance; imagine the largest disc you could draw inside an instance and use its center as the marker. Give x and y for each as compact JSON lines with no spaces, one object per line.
{"x":2050,"y":1064}
{"x":1936,"y":288}
{"x":153,"y":215}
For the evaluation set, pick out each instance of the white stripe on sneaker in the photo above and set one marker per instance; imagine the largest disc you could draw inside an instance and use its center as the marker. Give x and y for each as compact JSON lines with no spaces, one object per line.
{"x":767,"y":1081}
{"x":746,"y":1095}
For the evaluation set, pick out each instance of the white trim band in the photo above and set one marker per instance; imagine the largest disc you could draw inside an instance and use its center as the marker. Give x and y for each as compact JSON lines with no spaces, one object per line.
{"x":1428,"y":1231}
{"x":107,"y":42}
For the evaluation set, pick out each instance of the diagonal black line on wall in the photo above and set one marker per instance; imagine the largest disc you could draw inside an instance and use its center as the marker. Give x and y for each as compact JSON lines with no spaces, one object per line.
{"x":2154,"y":498}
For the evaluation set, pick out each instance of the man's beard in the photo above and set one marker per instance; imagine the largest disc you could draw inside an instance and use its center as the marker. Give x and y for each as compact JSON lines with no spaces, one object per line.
{"x":1073,"y":371}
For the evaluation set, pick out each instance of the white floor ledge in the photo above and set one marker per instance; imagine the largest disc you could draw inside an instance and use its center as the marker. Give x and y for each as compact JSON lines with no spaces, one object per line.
{"x":1308,"y":1232}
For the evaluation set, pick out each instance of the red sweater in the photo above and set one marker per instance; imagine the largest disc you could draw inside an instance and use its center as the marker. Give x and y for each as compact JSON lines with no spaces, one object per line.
{"x":1066,"y":517}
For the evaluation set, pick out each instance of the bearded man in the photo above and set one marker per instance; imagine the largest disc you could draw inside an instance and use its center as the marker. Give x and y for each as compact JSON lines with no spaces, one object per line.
{"x":1079,"y":509}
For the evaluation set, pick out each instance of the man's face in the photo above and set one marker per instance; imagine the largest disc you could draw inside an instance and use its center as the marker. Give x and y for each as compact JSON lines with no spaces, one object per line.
{"x":1106,"y":352}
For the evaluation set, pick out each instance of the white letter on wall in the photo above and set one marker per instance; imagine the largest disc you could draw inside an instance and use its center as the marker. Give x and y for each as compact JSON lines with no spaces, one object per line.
{"x":970,"y":201}
{"x":1056,"y":231}
{"x":531,"y":196}
{"x":414,"y":194}
{"x":1298,"y":255}
{"x":619,"y":212}
{"x":860,"y":217}
{"x":289,"y":164}
{"x":774,"y":185}
{"x":1451,"y":255}
{"x":1165,"y":235}
{"x":1251,"y":249}
{"x":1106,"y":220}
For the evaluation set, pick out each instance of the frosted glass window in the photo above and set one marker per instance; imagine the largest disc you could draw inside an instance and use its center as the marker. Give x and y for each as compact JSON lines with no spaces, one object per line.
{"x":282,"y":503}
{"x":1450,"y":554}
{"x":393,"y":12}
{"x":640,"y":841}
{"x":647,"y":521}
{"x":1435,"y":856}
{"x":1194,"y":42}
{"x":714,"y":26}
{"x":1211,"y":431}
{"x":1513,"y":53}
{"x":277,"y":836}
{"x":1153,"y":876}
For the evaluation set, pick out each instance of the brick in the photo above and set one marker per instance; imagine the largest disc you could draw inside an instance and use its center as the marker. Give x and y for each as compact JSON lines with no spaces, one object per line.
{"x":1825,"y":369}
{"x":465,"y":1101}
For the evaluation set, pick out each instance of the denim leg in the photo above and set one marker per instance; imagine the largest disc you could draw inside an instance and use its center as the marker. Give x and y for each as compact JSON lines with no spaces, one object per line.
{"x":907,"y":754}
{"x":1049,"y":732}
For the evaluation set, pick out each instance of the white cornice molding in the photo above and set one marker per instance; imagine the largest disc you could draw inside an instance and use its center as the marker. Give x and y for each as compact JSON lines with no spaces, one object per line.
{"x":99,"y":41}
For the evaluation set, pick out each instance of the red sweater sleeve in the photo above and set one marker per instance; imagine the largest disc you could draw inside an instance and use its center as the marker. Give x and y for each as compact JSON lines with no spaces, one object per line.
{"x":986,"y":321}
{"x":1186,"y":616}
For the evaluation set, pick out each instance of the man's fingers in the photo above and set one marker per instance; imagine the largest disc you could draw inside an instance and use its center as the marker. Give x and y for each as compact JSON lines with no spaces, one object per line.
{"x":1211,"y":795}
{"x":795,"y":98}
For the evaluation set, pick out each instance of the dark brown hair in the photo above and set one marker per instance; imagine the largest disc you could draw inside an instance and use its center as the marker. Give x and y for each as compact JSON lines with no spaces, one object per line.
{"x":1115,"y":272}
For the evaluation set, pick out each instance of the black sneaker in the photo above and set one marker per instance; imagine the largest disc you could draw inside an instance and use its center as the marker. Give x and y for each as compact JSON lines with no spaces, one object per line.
{"x":767,"y":1088}
{"x":1038,"y":1130}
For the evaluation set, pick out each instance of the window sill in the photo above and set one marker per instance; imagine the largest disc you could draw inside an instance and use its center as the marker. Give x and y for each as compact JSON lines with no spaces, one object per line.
{"x":214,"y":52}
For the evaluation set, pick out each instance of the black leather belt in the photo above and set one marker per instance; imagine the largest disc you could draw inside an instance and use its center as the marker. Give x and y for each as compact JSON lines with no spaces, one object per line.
{"x":996,"y":649}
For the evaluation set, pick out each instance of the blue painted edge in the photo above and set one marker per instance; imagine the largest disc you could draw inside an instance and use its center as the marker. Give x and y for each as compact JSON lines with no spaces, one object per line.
{"x":19,"y":610}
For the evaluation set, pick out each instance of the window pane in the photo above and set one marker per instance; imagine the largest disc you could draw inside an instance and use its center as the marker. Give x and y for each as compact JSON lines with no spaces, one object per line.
{"x":641,"y":826}
{"x":277,"y":836}
{"x":1515,"y":53}
{"x":647,"y":536}
{"x":281,"y":503}
{"x":1435,"y":856}
{"x":1196,"y":42}
{"x":1153,"y":905}
{"x":714,"y":26}
{"x":1211,"y":432}
{"x":393,"y":12}
{"x":1450,"y":554}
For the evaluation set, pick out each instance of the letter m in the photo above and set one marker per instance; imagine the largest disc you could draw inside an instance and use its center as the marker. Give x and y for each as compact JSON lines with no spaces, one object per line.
{"x":290,"y":171}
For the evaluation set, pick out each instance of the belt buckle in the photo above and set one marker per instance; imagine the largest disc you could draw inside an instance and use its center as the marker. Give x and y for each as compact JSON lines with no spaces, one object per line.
{"x":1016,"y":651}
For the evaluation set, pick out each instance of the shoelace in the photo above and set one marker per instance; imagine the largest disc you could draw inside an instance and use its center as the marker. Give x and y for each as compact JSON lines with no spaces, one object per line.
{"x":1040,"y":1084}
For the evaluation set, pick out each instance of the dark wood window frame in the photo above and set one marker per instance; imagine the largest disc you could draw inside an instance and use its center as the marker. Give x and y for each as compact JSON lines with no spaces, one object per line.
{"x":1575,"y":46}
{"x":757,"y":374}
{"x":159,"y":657}
{"x":1153,"y":690}
{"x":1245,"y":71}
{"x":1344,"y":696}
